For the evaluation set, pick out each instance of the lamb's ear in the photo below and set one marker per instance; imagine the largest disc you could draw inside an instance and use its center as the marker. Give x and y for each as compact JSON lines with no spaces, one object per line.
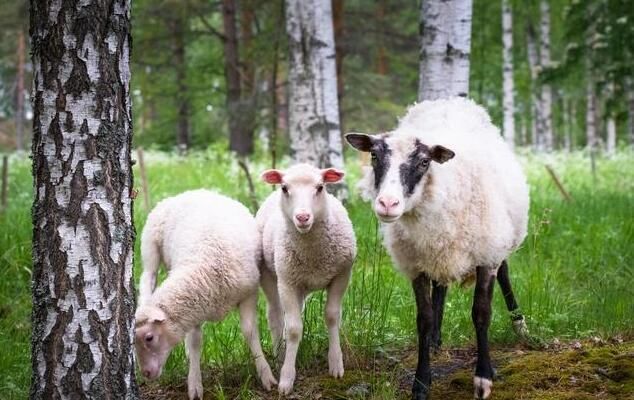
{"x":360,"y":141}
{"x":332,"y":175}
{"x":441,"y":154}
{"x":272,"y":176}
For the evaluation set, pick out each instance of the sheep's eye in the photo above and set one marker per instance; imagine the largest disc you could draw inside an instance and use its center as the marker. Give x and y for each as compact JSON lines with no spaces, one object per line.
{"x":425,"y":163}
{"x":373,"y":155}
{"x":284,"y":189}
{"x":149,"y":337}
{"x":320,"y":188}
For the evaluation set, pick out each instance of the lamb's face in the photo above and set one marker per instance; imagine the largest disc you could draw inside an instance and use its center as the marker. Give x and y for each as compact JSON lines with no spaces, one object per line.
{"x":152,"y":341}
{"x":303,"y":198}
{"x":399,"y":167}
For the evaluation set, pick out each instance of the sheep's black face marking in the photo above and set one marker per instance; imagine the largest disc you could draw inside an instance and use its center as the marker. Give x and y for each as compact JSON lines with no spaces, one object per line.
{"x":380,"y":152}
{"x":412,"y":171}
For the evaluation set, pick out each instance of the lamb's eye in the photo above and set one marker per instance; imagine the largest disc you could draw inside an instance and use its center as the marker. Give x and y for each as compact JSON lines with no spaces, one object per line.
{"x":373,"y":155}
{"x":320,"y":188}
{"x":285,"y":190}
{"x":149,"y":337}
{"x":425,"y":163}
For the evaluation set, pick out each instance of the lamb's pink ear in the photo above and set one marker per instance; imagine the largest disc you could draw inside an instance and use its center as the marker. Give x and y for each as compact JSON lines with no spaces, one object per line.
{"x":332,"y":175}
{"x":272,"y":176}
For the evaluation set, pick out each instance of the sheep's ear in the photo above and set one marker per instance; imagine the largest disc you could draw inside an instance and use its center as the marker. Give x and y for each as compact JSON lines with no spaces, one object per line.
{"x":272,"y":176}
{"x":360,"y":141}
{"x":441,"y":154}
{"x":332,"y":175}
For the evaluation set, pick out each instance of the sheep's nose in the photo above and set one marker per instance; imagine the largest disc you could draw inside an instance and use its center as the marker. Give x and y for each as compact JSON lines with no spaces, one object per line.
{"x":388,"y":202}
{"x":303,"y":217}
{"x":147,"y":373}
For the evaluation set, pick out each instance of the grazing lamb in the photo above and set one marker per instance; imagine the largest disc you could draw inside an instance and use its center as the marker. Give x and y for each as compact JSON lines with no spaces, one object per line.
{"x":308,"y":244}
{"x":446,"y":223}
{"x":209,"y":244}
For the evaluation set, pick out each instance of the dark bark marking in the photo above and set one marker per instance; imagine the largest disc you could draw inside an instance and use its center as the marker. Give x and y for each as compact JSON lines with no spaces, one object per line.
{"x":78,"y":192}
{"x":96,"y":221}
{"x":69,"y":124}
{"x":55,"y":132}
{"x":78,"y":82}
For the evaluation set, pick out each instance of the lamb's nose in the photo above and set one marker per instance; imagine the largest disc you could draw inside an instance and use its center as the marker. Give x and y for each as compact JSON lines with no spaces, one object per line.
{"x":147,"y":373}
{"x":388,"y":202}
{"x":303,"y":218}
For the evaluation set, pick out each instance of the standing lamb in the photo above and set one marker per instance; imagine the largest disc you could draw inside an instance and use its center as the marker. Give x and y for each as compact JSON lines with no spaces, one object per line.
{"x":209,"y":244}
{"x":308,"y":244}
{"x":445,"y":223}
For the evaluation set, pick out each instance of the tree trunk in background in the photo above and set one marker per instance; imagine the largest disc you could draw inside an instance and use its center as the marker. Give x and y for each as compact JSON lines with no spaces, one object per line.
{"x":382,"y":65}
{"x":546,"y":90}
{"x":313,"y":107}
{"x":19,"y":93}
{"x":565,"y":105}
{"x":591,"y":127}
{"x":537,"y":132}
{"x":610,"y":143}
{"x":239,"y":111}
{"x":508,"y":103}
{"x":83,"y":235}
{"x":182,"y":96}
{"x":338,"y":25}
{"x":445,"y":28}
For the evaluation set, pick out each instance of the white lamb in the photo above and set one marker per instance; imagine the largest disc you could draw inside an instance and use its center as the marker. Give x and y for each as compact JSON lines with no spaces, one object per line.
{"x":448,"y":222}
{"x":308,"y":244}
{"x":209,"y":244}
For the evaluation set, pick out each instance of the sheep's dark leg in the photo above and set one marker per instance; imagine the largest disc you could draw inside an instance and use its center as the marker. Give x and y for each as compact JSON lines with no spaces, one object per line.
{"x":424,"y":325}
{"x":519,"y":325}
{"x":438,"y":294}
{"x":481,"y":315}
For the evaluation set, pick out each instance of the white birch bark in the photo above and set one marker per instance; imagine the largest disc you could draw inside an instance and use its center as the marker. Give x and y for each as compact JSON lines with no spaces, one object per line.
{"x":591,"y":127}
{"x":610,"y":143}
{"x":546,"y":90}
{"x":537,"y":120}
{"x":314,"y":125}
{"x":507,"y":55}
{"x":83,"y":239}
{"x":445,"y":28}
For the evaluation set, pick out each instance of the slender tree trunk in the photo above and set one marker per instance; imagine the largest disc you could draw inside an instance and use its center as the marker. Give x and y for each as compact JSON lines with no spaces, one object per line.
{"x":314,"y":110}
{"x":239,"y":111}
{"x":508,"y":103}
{"x":83,"y":235}
{"x":546,"y":90}
{"x":182,"y":96}
{"x":339,"y":30}
{"x":537,"y":132}
{"x":610,"y":143}
{"x":445,"y":28}
{"x":567,"y":121}
{"x":591,"y":127}
{"x":19,"y":93}
{"x":382,"y":65}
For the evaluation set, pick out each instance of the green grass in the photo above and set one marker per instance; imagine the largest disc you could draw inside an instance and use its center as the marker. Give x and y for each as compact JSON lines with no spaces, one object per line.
{"x":572,"y":276}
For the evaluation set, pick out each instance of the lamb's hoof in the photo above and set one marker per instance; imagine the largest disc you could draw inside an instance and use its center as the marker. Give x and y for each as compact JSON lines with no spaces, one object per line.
{"x":520,"y":328}
{"x":335,"y":365}
{"x":195,"y":392}
{"x":420,"y":393}
{"x":482,"y":387}
{"x":285,"y":387}
{"x":267,"y":379}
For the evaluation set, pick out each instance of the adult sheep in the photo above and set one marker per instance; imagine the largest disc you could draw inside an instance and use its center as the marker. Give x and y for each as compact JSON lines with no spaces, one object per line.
{"x":453,"y":202}
{"x":209,"y":244}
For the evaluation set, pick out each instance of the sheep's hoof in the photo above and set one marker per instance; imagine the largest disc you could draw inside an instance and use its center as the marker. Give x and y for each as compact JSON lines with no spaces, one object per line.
{"x":520,"y":328}
{"x":285,"y":387}
{"x":420,"y":394}
{"x":267,"y":379}
{"x":195,"y":393}
{"x":482,"y":387}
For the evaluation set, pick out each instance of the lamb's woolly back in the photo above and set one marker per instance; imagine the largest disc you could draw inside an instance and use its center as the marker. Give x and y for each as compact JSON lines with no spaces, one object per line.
{"x":209,"y":244}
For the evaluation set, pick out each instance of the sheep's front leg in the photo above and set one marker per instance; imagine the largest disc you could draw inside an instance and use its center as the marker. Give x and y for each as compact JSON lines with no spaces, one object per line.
{"x":438,"y":294}
{"x":336,"y":291}
{"x":249,"y":326}
{"x":424,"y":324}
{"x":481,"y":315}
{"x":193,"y":341}
{"x":275,"y":318}
{"x":292,"y":299}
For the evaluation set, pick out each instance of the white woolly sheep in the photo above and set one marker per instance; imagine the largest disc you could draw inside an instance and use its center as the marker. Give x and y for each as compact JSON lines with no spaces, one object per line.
{"x":209,"y":244}
{"x":448,"y":222}
{"x":308,"y":244}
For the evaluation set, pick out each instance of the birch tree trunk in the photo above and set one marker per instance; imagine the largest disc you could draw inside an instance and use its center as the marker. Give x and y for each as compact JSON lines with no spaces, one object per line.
{"x":445,"y":28}
{"x":508,"y":103}
{"x":546,"y":90}
{"x":610,"y":143}
{"x":182,"y":96}
{"x":313,"y":106}
{"x":537,"y":132}
{"x":19,"y":93}
{"x":83,"y":236}
{"x":591,"y":127}
{"x":567,"y":124}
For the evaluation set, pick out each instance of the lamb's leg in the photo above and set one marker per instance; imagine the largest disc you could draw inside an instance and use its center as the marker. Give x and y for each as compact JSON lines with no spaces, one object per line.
{"x":481,"y":315}
{"x":336,"y":291}
{"x":249,"y":326}
{"x":519,"y":324}
{"x":193,"y":341}
{"x":150,"y":255}
{"x":292,"y":300}
{"x":275,"y":316}
{"x":438,"y":294}
{"x":424,"y":324}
